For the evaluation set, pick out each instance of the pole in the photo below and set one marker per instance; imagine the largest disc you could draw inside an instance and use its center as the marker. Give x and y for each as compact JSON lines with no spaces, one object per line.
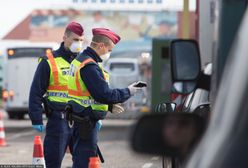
{"x":186,"y":19}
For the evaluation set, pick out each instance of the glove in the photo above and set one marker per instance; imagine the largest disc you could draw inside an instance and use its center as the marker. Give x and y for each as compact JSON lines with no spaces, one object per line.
{"x":39,"y":128}
{"x":99,"y":125}
{"x":133,"y":89}
{"x":117,"y":109}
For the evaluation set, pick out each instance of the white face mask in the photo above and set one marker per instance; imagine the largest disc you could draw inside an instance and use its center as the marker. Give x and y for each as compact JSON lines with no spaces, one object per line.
{"x":106,"y":56}
{"x":76,"y":46}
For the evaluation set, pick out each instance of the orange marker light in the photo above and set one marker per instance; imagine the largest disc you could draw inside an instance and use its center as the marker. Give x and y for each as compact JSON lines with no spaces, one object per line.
{"x":5,"y":95}
{"x":11,"y":52}
{"x":11,"y":93}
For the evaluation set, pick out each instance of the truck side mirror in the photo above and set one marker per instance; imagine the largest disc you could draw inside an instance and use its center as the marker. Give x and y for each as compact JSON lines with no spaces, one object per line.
{"x":185,"y":64}
{"x":167,"y":134}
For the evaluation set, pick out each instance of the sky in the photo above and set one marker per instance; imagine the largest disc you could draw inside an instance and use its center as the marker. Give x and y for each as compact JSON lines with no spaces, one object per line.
{"x":14,"y":11}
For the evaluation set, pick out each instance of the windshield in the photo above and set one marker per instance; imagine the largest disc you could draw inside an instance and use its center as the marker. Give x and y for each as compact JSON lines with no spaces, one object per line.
{"x":121,"y":67}
{"x":27,"y":52}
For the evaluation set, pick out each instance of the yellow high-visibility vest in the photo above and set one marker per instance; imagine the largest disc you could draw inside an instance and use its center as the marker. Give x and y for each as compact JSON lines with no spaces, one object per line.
{"x":77,"y":91}
{"x":59,"y":72}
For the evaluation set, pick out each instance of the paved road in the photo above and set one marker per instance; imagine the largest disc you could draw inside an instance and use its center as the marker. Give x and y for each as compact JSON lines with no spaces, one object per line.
{"x":113,"y":141}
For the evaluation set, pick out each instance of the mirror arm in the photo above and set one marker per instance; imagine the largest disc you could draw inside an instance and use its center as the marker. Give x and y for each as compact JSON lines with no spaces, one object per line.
{"x":204,"y":81}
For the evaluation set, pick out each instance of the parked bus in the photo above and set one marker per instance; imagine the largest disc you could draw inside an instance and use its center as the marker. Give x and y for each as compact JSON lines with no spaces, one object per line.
{"x":22,"y":60}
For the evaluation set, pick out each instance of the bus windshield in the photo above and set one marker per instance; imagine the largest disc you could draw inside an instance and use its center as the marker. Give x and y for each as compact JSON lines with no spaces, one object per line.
{"x":28,"y":52}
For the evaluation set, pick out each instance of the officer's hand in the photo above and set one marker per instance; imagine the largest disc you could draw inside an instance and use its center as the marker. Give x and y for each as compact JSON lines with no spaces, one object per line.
{"x":39,"y":128}
{"x":133,"y":88}
{"x":117,"y":109}
{"x":99,"y":125}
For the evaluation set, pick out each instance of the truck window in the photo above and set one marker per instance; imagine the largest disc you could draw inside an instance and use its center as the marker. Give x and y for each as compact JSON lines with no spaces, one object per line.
{"x":121,"y":67}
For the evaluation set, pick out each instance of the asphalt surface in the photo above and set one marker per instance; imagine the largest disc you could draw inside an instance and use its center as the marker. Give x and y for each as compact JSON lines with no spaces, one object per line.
{"x":113,"y":141}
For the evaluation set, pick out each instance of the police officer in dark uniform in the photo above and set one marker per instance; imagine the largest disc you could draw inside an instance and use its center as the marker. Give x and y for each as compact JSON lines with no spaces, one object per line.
{"x":90,"y":96}
{"x":51,"y":79}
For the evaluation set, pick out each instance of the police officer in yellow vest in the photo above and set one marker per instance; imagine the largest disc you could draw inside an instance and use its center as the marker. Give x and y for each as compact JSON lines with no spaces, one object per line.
{"x":90,"y":95}
{"x":51,"y":79}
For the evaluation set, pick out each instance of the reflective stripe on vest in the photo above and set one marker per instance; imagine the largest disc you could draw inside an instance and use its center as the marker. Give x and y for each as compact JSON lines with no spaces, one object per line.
{"x":57,"y":89}
{"x":54,"y":69}
{"x":85,"y":102}
{"x":77,"y":90}
{"x":58,"y":94}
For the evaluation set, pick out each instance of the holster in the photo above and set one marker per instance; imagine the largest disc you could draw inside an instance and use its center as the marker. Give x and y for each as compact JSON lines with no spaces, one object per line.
{"x":84,"y":123}
{"x":85,"y":127}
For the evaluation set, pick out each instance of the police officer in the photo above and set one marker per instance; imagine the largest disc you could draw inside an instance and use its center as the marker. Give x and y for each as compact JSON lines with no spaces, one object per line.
{"x":90,"y":95}
{"x":51,"y":79}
